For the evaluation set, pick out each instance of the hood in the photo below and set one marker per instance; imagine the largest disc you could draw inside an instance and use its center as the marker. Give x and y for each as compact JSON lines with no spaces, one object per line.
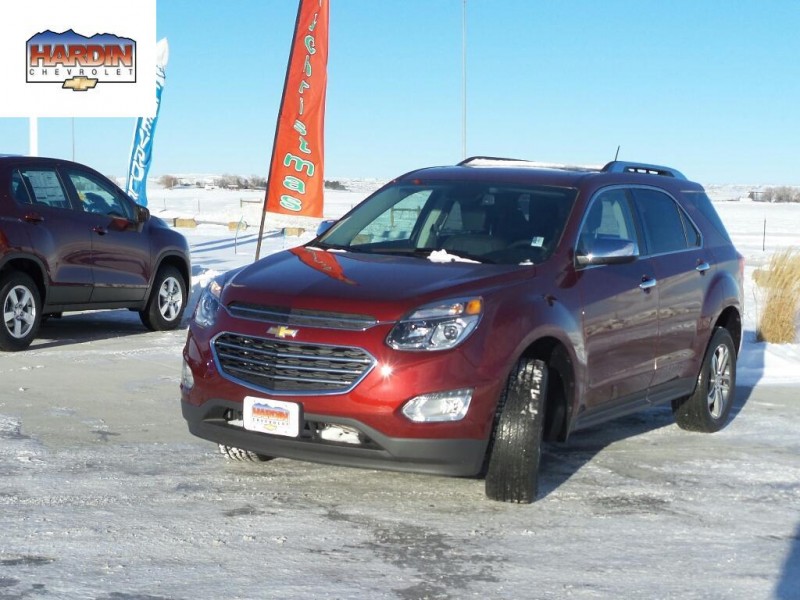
{"x":383,"y":286}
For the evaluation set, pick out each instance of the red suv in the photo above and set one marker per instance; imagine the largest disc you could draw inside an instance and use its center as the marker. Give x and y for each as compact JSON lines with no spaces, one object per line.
{"x":461,"y":315}
{"x":71,"y":240}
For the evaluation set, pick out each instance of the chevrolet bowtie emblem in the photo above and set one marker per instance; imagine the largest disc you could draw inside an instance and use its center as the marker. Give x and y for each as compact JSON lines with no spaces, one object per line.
{"x":79,"y":84}
{"x":282,"y":332}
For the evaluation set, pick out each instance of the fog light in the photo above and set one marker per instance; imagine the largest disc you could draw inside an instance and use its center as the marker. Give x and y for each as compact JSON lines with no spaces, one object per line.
{"x":187,"y":379}
{"x":439,"y":406}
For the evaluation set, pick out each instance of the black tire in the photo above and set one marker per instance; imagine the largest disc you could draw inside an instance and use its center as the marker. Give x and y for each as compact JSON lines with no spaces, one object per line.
{"x":167,"y":301}
{"x":233,"y":453}
{"x":513,"y":471}
{"x":709,"y":407}
{"x":22,"y":311}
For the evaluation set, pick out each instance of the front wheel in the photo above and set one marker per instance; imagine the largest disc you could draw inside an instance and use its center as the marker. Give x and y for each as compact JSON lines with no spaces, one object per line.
{"x":167,"y":301}
{"x":233,"y":453}
{"x":708,"y":408}
{"x":513,"y":471}
{"x":22,"y":311}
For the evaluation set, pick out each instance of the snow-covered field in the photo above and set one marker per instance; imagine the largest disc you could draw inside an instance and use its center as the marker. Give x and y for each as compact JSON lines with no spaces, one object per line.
{"x":104,"y":495}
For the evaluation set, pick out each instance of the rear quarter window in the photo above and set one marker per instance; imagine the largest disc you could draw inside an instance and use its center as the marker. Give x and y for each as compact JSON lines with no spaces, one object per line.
{"x":700,"y":202}
{"x":18,"y":190}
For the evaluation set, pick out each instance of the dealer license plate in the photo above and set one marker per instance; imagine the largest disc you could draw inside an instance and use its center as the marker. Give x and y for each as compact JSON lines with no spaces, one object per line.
{"x":272,"y":416}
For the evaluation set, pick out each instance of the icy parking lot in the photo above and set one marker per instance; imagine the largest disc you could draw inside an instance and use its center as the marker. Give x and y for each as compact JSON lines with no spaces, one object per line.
{"x":106,"y":496}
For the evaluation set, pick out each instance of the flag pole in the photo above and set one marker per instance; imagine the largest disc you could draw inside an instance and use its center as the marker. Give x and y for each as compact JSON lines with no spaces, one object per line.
{"x":277,"y":129}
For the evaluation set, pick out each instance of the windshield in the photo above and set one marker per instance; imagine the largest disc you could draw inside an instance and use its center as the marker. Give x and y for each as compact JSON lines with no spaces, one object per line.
{"x":491,"y":223}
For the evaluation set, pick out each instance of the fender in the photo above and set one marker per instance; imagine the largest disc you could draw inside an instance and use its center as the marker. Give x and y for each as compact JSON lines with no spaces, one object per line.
{"x":723,"y":293}
{"x":542,"y":318}
{"x":178,"y":259}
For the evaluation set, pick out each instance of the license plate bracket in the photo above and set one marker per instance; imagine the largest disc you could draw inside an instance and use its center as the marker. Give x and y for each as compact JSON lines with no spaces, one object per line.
{"x":273,"y":417}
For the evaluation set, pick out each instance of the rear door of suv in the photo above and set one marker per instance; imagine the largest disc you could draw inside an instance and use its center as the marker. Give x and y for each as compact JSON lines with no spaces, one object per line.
{"x":57,"y":235}
{"x":683,"y":269}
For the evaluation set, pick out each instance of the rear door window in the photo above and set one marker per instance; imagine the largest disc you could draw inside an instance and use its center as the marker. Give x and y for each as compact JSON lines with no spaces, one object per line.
{"x":665,"y":227}
{"x":46,"y":188}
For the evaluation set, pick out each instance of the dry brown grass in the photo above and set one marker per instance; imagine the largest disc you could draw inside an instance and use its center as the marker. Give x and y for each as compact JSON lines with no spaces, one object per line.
{"x":780,"y":282}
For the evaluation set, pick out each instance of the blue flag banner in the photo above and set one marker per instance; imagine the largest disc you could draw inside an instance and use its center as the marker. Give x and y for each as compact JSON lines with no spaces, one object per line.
{"x":142,"y":147}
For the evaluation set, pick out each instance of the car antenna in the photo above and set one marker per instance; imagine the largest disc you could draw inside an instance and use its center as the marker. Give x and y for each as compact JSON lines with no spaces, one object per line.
{"x":616,"y":156}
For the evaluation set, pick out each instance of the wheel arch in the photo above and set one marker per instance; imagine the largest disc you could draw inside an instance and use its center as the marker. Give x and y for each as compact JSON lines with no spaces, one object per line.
{"x":30,"y":267}
{"x":722,"y":307}
{"x":731,"y":319}
{"x":178,"y":262}
{"x":561,"y":388}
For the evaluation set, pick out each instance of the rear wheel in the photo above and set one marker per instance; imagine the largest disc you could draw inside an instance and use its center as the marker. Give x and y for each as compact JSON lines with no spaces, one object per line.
{"x":233,"y":453}
{"x":22,"y":311}
{"x":167,"y":301}
{"x":708,"y":408}
{"x":513,"y":471}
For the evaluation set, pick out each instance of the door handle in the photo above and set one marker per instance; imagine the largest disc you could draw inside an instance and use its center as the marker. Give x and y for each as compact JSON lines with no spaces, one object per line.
{"x":702,"y":267}
{"x":647,"y":283}
{"x":33,"y":218}
{"x":100,"y":230}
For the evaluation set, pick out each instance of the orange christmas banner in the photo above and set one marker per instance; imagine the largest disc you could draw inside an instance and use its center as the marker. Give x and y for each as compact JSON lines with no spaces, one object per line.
{"x":295,"y":184}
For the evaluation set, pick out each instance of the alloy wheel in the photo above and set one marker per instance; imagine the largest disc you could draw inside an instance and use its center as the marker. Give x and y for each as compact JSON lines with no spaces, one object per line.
{"x":170,"y":299}
{"x":19,"y":311}
{"x":719,"y":384}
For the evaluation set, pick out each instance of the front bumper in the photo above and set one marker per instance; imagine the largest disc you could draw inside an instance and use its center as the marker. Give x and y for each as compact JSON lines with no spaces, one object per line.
{"x":453,"y":457}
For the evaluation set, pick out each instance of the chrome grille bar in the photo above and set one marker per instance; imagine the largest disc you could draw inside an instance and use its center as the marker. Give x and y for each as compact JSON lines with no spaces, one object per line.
{"x":290,"y":367}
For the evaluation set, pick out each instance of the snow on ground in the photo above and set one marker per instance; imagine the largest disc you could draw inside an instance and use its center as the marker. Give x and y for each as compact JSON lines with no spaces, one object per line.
{"x":105,"y":496}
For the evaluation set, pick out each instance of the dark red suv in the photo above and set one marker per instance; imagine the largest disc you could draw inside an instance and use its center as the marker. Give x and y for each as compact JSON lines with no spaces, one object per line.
{"x":71,"y":240}
{"x":460,"y":315}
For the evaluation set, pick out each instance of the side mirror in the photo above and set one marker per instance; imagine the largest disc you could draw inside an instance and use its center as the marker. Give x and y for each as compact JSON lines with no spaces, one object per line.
{"x":324,"y":226}
{"x":142,"y":214}
{"x":607,"y":251}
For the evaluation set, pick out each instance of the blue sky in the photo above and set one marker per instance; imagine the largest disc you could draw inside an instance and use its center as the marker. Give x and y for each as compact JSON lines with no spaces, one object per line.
{"x":711,"y":87}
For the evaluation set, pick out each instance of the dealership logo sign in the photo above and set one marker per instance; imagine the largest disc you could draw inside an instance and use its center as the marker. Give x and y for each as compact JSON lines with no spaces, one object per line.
{"x":80,"y":63}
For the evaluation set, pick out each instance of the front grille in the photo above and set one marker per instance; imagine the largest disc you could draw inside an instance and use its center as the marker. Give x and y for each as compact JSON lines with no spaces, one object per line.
{"x":290,"y":367}
{"x":296,"y":317}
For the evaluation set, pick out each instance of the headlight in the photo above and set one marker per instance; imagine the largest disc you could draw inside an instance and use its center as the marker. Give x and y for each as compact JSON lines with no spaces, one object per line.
{"x":207,"y":307}
{"x":438,"y":326}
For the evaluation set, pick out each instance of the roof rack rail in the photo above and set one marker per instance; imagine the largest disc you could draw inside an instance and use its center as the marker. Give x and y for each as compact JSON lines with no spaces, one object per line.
{"x":495,"y":161}
{"x":473,"y":159}
{"x":619,"y":166}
